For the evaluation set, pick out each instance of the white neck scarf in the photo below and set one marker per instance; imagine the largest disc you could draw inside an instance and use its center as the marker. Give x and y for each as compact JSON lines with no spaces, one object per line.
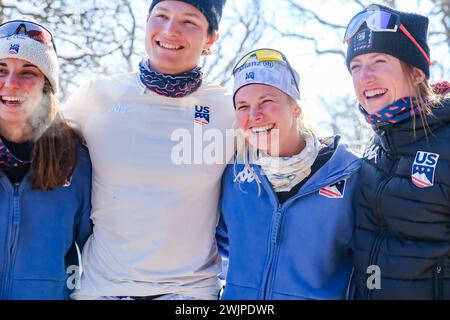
{"x":286,"y":172}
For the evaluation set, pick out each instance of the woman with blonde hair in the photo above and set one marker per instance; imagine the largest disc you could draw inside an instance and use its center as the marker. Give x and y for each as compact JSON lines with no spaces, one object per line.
{"x":45,"y":173}
{"x":286,"y":222}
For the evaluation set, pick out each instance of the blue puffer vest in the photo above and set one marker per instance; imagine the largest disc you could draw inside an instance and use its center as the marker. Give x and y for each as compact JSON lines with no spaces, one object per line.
{"x":403,"y":212}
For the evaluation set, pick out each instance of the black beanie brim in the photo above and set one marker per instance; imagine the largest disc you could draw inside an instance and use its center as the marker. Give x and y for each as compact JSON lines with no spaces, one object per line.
{"x":396,"y":44}
{"x":211,"y":9}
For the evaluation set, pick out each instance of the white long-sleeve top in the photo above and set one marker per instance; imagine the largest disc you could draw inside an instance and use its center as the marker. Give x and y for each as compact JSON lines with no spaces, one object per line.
{"x":154,"y":218}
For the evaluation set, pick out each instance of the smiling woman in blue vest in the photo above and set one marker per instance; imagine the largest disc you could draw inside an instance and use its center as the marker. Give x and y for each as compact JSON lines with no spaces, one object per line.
{"x":402,"y":238}
{"x":286,"y":223}
{"x":45,"y":173}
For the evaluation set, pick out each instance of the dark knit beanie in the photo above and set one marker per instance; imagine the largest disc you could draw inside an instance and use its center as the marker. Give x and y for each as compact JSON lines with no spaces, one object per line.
{"x":396,"y":44}
{"x":211,"y":9}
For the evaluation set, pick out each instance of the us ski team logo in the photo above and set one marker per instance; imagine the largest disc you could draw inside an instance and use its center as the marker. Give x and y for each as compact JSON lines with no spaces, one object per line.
{"x":423,"y":169}
{"x":202,"y":115}
{"x":334,"y":191}
{"x":14,"y":48}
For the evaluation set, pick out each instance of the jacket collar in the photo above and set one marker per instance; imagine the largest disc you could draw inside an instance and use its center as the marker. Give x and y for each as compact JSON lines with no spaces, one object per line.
{"x":407,"y":132}
{"x":342,"y":164}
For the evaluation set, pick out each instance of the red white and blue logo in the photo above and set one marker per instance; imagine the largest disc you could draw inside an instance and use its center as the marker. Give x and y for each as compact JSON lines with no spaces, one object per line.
{"x":202,"y":115}
{"x":423,"y":169}
{"x":334,"y":191}
{"x":14,"y":48}
{"x":68,"y":182}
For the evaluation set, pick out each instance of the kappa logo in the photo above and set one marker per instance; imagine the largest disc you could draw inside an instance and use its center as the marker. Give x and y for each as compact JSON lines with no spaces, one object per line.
{"x":246,"y":175}
{"x":119,"y":109}
{"x":202,"y":115}
{"x":14,"y":48}
{"x":372,"y":153}
{"x":423,"y":169}
{"x":334,"y":191}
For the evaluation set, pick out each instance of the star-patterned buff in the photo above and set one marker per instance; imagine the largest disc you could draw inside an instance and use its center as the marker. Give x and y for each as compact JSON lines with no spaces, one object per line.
{"x":7,"y":159}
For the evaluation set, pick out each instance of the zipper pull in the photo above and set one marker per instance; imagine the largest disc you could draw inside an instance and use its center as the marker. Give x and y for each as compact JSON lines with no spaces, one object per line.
{"x":16,"y":189}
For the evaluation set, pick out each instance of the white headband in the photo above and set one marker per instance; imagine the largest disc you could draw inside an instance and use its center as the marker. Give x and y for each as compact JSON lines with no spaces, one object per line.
{"x":273,"y":73}
{"x":41,"y":55}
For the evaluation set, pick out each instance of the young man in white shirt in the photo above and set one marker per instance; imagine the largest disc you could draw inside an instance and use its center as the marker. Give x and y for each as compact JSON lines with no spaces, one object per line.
{"x":155,"y":189}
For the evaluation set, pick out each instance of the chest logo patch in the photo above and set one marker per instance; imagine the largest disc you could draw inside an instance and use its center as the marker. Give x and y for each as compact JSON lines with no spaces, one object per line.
{"x":334,"y":191}
{"x":202,"y":115}
{"x":372,"y":153}
{"x":423,"y":169}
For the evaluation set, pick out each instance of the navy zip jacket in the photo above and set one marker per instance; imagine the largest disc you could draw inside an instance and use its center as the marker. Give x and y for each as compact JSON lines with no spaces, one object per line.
{"x":403,"y":212}
{"x":298,"y":250}
{"x":38,"y":231}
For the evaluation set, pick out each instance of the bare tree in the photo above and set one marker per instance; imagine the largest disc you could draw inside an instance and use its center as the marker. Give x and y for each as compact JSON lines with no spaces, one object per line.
{"x":240,"y":32}
{"x":440,"y":37}
{"x":344,"y":117}
{"x":442,"y":9}
{"x":94,"y":36}
{"x":102,"y":36}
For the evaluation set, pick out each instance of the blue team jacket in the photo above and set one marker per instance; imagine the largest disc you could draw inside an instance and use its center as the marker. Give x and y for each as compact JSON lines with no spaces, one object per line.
{"x":38,"y":231}
{"x":298,"y":250}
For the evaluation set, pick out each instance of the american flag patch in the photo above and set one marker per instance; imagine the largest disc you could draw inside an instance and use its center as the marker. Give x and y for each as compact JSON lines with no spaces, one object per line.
{"x":334,"y":191}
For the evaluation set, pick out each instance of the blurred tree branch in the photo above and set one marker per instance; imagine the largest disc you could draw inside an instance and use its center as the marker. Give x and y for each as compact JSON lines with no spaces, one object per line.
{"x":85,"y":37}
{"x":243,"y":30}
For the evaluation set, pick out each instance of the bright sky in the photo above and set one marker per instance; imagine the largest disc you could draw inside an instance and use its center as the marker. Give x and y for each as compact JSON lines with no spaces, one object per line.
{"x":328,"y":76}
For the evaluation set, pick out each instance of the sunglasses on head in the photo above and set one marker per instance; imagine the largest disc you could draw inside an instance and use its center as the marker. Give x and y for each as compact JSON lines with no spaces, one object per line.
{"x":265,"y":55}
{"x":380,"y":20}
{"x":29,"y":29}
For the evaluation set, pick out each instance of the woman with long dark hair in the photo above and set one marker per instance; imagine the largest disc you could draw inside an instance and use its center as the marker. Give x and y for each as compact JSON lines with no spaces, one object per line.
{"x":45,"y":173}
